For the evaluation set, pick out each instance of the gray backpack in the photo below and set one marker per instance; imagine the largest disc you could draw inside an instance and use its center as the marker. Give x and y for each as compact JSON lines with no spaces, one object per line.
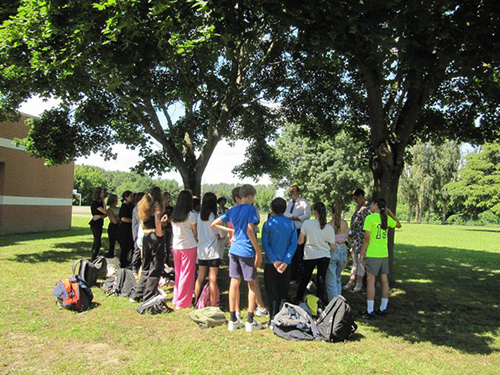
{"x":86,"y":270}
{"x":207,"y":317}
{"x":124,"y":283}
{"x":336,"y":322}
{"x":292,"y":322}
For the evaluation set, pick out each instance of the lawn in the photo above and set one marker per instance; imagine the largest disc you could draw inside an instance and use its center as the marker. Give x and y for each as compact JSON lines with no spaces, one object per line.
{"x":444,"y":319}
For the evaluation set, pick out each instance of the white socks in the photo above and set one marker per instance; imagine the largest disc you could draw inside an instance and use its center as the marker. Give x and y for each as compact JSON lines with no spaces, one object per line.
{"x":370,"y":306}
{"x":383,"y":304}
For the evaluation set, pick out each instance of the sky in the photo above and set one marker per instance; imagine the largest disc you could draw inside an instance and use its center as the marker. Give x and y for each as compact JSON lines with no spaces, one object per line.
{"x":223,"y":160}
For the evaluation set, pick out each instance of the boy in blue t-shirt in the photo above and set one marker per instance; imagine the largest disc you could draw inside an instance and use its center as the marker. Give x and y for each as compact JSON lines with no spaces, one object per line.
{"x":244,"y":255}
{"x":279,"y":240}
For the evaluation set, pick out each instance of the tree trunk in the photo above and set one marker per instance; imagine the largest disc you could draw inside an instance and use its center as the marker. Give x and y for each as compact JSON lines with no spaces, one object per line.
{"x":191,"y":178}
{"x":409,"y":212}
{"x":387,"y":166}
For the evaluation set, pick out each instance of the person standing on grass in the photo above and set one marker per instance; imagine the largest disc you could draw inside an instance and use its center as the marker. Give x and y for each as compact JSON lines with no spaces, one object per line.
{"x":356,"y":235}
{"x":319,"y":239}
{"x":375,"y":254}
{"x":184,"y":249}
{"x":125,"y":231}
{"x":298,"y":211}
{"x":114,"y":222}
{"x":279,"y":240}
{"x":208,"y":247}
{"x":244,"y":256}
{"x":151,"y":213}
{"x":338,"y":257}
{"x":136,"y":228}
{"x":99,"y":212}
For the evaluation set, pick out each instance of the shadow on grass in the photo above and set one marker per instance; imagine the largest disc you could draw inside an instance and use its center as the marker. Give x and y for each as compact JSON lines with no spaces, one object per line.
{"x":447,"y":297}
{"x":67,"y":252}
{"x":9,"y":240}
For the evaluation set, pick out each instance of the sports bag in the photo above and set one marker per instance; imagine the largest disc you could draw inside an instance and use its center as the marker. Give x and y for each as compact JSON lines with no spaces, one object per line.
{"x":87,"y":271}
{"x":292,"y":322}
{"x":204,"y":298}
{"x":73,"y":294}
{"x":124,"y":283}
{"x":155,"y":305}
{"x":207,"y":317}
{"x":336,"y":323}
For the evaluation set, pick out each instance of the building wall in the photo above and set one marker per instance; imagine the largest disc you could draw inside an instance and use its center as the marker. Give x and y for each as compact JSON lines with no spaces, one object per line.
{"x":33,"y":197}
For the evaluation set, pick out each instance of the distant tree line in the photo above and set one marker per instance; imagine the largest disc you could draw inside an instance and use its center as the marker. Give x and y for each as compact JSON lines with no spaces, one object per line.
{"x":88,"y":177}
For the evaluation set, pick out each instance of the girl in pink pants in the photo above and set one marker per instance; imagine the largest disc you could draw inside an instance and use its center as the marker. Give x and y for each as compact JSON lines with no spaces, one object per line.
{"x":184,"y":249}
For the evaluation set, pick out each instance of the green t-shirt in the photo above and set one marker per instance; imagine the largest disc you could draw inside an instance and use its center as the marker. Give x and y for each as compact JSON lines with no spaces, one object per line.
{"x":377,"y":248}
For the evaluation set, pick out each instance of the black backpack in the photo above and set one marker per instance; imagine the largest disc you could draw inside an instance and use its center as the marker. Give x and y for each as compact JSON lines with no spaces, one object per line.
{"x":292,"y":322}
{"x":124,"y":283}
{"x":102,"y":267}
{"x":87,"y":271}
{"x":336,"y":322}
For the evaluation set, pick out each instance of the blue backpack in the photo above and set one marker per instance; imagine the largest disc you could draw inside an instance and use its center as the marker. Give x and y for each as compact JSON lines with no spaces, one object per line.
{"x":73,"y":294}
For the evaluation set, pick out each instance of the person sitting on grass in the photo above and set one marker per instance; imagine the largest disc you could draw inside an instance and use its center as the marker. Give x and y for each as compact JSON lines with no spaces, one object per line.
{"x":375,"y":254}
{"x":279,"y":240}
{"x":244,"y":256}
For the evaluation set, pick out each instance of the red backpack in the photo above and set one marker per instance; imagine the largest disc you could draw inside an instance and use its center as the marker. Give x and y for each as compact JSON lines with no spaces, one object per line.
{"x":73,"y":294}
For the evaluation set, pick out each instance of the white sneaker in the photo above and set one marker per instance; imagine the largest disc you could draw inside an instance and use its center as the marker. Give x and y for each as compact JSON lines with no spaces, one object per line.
{"x":261,"y":312}
{"x":238,"y":315}
{"x":233,"y":326}
{"x":254,"y":326}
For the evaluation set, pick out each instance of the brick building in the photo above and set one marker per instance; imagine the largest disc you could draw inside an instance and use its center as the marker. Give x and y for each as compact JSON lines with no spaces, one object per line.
{"x":33,"y":197}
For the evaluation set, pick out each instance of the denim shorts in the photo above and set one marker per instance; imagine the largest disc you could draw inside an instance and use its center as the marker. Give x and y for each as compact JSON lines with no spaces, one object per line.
{"x":242,"y":267}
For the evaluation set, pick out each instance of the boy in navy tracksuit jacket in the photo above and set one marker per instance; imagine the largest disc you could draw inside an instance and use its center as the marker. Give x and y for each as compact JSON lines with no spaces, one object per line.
{"x":279,"y":240}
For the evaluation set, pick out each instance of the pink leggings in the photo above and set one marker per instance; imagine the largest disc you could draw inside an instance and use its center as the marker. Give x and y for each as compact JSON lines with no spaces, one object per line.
{"x":185,"y":270}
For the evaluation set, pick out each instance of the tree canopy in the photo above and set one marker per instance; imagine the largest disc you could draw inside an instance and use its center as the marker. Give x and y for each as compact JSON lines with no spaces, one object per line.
{"x":168,"y":78}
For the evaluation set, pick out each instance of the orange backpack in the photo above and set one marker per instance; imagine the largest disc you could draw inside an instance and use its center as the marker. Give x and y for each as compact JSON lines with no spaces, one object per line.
{"x":73,"y":294}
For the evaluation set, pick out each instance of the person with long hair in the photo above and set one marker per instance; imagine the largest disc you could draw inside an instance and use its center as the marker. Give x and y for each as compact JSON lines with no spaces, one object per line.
{"x":136,"y":230}
{"x":125,"y":231}
{"x":338,"y":256}
{"x":319,"y":240}
{"x":151,"y":213}
{"x":375,"y":254}
{"x":208,"y":247}
{"x":184,"y":249}
{"x":114,"y":222}
{"x":99,"y":212}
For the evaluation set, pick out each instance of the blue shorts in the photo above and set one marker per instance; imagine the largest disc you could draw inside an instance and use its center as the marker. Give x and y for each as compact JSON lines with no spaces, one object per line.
{"x":242,"y":267}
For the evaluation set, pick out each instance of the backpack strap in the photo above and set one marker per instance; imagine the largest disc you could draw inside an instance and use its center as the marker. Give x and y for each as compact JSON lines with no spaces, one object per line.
{"x":74,"y":267}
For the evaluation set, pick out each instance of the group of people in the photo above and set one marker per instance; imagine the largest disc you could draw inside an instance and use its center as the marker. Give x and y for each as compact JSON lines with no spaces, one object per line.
{"x":294,"y":244}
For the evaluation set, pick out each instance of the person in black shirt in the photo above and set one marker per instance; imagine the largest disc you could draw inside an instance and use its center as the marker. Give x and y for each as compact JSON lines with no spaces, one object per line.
{"x":168,"y":228}
{"x":125,"y":231}
{"x":99,"y":212}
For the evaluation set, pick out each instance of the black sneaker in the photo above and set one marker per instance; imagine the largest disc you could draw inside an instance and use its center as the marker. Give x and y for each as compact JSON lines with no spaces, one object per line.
{"x":366,"y":315}
{"x":381,"y":312}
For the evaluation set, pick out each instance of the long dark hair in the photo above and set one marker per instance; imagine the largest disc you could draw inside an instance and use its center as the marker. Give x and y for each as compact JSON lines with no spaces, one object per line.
{"x":183,"y":206}
{"x":125,"y":195}
{"x":336,"y":209}
{"x":149,"y":203}
{"x":320,"y":208}
{"x":208,"y":206}
{"x":96,"y":194}
{"x":383,"y":214}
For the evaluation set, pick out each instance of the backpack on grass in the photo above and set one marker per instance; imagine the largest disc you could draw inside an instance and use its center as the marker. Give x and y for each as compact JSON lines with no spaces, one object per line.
{"x":204,"y":298}
{"x":73,"y":294}
{"x":124,"y":283}
{"x":155,"y":305}
{"x":292,"y":322}
{"x":207,"y":317}
{"x":336,"y":322}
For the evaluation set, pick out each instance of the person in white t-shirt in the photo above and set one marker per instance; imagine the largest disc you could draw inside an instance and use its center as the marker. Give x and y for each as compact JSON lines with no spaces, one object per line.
{"x":209,"y":259}
{"x":184,"y":249}
{"x":319,"y":239}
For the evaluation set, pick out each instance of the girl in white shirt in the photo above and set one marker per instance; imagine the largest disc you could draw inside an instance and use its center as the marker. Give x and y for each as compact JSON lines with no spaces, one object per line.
{"x":319,"y":239}
{"x":208,"y":247}
{"x":184,"y":249}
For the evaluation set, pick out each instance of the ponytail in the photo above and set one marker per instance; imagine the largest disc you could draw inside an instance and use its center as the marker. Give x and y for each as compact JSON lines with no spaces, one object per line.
{"x":336,"y":209}
{"x":320,"y":208}
{"x":383,"y":214}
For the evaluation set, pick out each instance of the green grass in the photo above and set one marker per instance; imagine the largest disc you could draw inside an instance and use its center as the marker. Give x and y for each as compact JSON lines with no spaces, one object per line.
{"x":444,"y":317}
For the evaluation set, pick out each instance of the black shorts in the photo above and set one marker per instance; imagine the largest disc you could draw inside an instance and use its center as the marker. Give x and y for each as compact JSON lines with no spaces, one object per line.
{"x":215,"y":263}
